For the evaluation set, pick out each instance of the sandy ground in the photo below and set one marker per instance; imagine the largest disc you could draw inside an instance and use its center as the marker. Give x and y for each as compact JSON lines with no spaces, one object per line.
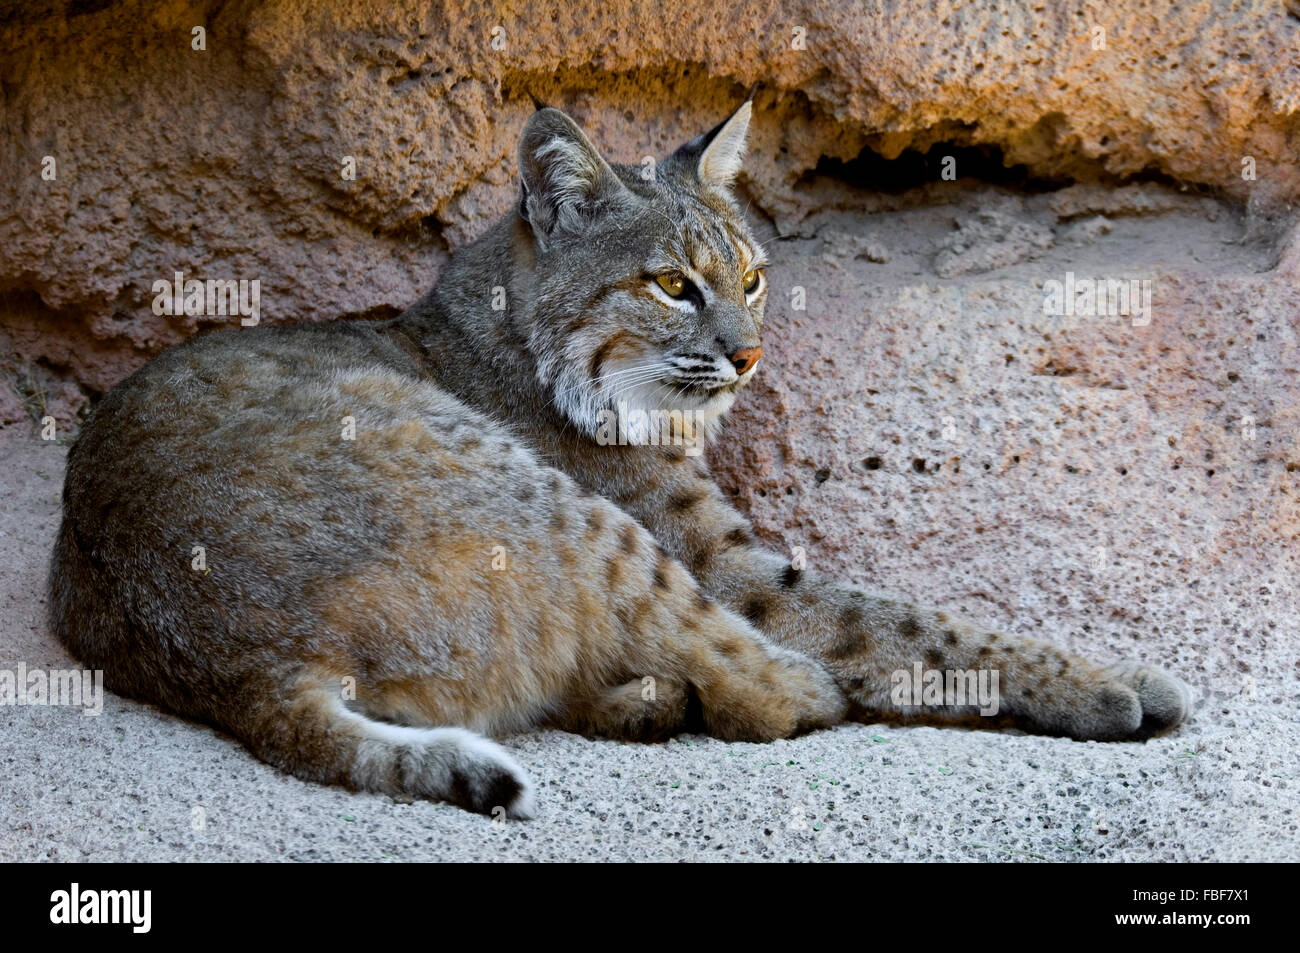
{"x":1203,"y":582}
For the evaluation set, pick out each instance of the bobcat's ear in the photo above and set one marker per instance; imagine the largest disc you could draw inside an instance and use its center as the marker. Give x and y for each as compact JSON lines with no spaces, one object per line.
{"x":715,"y":157}
{"x":565,"y":182}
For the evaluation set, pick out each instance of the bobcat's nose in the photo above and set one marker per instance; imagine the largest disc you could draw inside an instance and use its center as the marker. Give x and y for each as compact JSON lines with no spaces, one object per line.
{"x":745,"y":359}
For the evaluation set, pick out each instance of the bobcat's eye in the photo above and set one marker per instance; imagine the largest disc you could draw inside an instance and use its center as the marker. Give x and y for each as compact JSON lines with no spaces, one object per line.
{"x":675,"y":285}
{"x":752,"y":278}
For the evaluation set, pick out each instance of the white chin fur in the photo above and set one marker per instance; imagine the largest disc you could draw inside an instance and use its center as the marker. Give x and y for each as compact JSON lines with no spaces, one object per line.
{"x":591,"y":409}
{"x":701,"y":415}
{"x":712,"y":409}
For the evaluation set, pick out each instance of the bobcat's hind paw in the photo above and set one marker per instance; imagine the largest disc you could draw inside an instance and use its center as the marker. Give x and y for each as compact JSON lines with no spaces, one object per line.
{"x":779,"y":693}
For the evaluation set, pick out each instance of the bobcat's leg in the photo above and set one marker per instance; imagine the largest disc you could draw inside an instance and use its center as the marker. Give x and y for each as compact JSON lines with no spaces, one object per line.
{"x":578,"y":599}
{"x":647,"y":709}
{"x":665,"y":629}
{"x":864,"y":639}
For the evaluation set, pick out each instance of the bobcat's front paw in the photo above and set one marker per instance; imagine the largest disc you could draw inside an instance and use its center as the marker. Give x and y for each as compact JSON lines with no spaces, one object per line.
{"x":1127,"y":701}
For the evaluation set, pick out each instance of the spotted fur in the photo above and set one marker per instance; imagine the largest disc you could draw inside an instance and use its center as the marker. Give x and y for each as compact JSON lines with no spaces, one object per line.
{"x":412,"y":537}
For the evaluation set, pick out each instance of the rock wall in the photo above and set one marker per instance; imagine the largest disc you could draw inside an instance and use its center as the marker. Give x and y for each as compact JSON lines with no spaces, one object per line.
{"x":129,"y":153}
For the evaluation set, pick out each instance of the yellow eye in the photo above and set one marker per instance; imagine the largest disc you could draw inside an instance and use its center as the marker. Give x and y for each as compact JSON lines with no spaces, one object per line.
{"x":751,"y":279}
{"x":673,"y":284}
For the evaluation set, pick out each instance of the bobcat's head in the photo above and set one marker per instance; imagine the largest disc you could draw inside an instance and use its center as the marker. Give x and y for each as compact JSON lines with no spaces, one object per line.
{"x":649,"y":284}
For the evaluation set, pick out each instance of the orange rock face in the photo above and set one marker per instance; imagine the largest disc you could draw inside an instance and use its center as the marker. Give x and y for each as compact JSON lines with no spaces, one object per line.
{"x":336,"y":151}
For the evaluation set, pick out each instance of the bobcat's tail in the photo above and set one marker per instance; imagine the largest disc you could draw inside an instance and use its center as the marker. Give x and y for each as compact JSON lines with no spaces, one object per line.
{"x":311,"y":733}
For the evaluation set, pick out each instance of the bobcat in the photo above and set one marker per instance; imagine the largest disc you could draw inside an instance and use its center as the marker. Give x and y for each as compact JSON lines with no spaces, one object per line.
{"x":362,"y":547}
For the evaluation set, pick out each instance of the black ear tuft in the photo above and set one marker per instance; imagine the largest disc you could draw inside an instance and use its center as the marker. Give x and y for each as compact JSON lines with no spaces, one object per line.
{"x":715,"y":157}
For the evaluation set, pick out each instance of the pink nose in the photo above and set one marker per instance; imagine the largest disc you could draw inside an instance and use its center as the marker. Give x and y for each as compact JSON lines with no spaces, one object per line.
{"x":745,"y":359}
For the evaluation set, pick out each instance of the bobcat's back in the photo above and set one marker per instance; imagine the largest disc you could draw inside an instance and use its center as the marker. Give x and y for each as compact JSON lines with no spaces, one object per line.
{"x":288,"y":534}
{"x":261,"y":500}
